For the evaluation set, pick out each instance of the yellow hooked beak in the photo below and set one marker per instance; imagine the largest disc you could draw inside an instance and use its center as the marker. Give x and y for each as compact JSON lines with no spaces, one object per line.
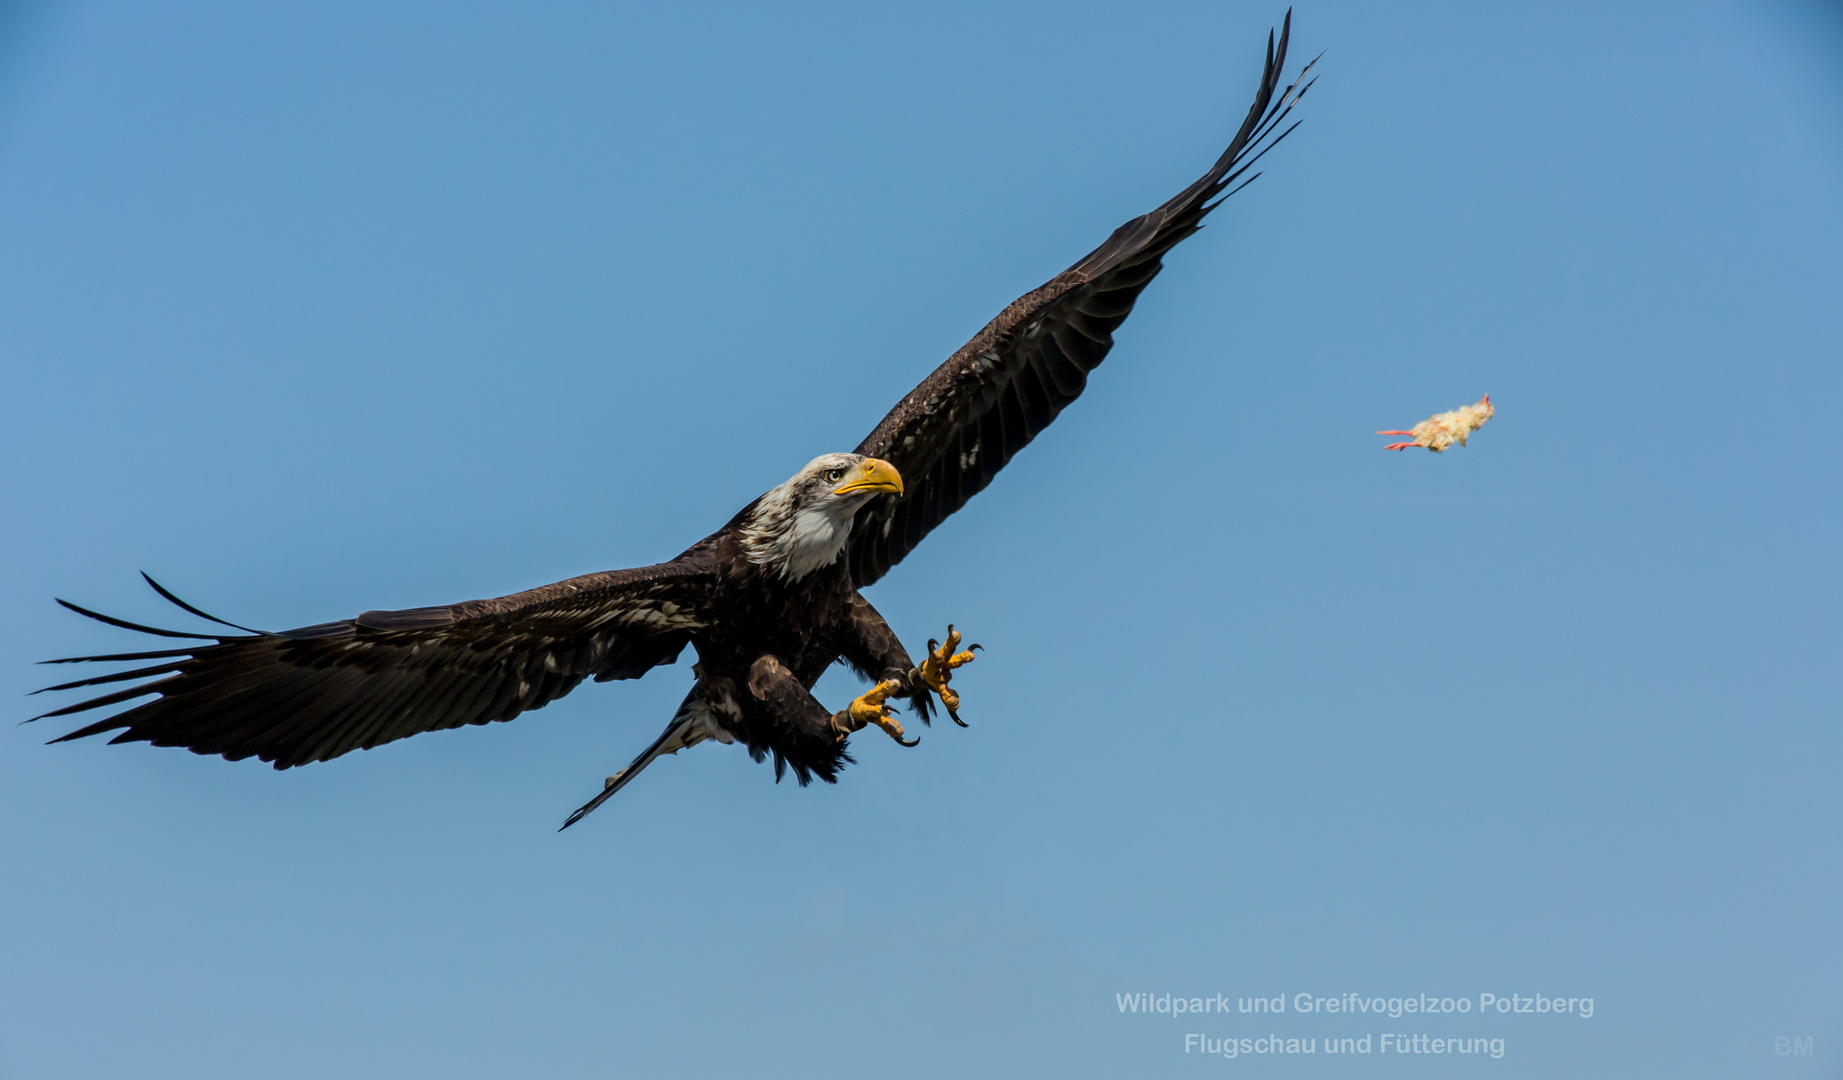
{"x":872,"y":474}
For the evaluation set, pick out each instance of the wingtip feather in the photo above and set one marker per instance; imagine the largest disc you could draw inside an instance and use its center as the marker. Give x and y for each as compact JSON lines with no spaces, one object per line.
{"x":126,"y":625}
{"x":183,"y":606}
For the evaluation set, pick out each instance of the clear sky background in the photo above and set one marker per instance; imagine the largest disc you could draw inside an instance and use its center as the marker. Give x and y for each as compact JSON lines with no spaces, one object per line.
{"x":308,"y":310}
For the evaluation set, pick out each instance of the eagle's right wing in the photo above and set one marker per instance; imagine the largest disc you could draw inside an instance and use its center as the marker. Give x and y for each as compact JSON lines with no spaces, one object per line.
{"x":320,"y":691}
{"x":952,"y":434}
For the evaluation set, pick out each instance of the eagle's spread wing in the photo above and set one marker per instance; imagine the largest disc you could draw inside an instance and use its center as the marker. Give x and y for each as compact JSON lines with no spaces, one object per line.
{"x":953,"y":433}
{"x":317,"y":692}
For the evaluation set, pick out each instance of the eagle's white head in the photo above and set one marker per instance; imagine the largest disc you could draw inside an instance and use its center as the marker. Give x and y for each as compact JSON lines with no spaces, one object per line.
{"x":803,"y":524}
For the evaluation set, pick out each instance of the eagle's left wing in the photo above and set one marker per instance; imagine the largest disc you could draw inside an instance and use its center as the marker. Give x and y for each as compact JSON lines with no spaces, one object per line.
{"x":952,"y":434}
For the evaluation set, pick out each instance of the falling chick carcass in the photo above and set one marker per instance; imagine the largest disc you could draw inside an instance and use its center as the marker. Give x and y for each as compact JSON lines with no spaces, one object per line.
{"x":1437,"y":433}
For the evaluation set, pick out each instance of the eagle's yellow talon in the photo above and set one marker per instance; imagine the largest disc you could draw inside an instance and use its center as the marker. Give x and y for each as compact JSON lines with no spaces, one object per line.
{"x":937,"y":670}
{"x":869,"y":708}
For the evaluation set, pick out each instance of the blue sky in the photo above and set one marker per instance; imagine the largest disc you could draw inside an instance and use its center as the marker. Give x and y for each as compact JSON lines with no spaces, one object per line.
{"x":308,"y":312}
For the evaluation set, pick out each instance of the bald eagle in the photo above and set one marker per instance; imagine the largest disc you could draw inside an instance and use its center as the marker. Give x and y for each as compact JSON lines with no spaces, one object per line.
{"x":769,"y":601}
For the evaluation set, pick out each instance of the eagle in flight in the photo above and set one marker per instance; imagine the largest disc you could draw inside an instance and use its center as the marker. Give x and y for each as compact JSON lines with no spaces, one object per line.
{"x":769,"y":601}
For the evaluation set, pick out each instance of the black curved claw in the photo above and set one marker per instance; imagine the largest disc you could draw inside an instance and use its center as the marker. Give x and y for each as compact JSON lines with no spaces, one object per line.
{"x":950,"y":712}
{"x":916,"y":741}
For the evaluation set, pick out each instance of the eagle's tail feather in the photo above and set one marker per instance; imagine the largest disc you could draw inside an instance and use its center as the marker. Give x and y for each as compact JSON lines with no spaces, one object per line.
{"x":675,"y":733}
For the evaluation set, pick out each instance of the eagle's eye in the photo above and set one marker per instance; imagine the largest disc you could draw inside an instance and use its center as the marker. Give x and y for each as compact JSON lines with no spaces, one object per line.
{"x":833,"y":476}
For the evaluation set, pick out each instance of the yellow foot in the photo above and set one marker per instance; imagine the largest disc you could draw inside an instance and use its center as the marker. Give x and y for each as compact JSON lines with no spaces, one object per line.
{"x":937,"y":670}
{"x":869,"y":709}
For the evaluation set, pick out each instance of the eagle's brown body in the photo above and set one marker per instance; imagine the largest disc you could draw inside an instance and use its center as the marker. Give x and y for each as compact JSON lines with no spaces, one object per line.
{"x":768,"y":602}
{"x":777,"y":636}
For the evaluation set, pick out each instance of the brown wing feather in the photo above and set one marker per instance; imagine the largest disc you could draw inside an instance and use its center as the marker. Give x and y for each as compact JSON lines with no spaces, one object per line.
{"x":321,"y":691}
{"x":953,"y":433}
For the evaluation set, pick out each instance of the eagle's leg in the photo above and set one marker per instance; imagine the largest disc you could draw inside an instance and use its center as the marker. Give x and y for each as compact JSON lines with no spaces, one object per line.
{"x":869,"y":708}
{"x":937,"y":670}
